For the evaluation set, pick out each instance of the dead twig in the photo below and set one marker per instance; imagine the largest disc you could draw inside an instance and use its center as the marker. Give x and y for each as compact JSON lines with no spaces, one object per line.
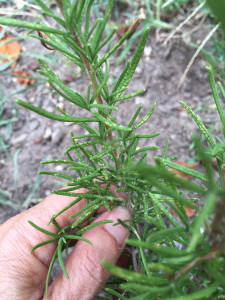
{"x":209,"y":35}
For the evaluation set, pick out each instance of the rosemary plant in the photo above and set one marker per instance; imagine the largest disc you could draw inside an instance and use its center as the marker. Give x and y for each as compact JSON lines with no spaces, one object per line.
{"x":172,"y":257}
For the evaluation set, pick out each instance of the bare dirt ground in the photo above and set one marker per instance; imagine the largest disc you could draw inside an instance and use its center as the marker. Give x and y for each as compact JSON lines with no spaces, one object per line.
{"x":38,"y":139}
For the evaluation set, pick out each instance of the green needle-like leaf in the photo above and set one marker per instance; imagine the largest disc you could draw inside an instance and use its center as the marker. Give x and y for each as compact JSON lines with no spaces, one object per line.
{"x":49,"y":12}
{"x":145,"y":119}
{"x":87,"y":206}
{"x":198,"y":225}
{"x":59,"y":253}
{"x":42,"y":229}
{"x":24,"y":24}
{"x":81,"y":231}
{"x":145,"y":149}
{"x":200,"y":124}
{"x":182,"y":169}
{"x":61,"y":175}
{"x":134,"y":277}
{"x":216,"y":97}
{"x":123,"y":83}
{"x":58,"y":45}
{"x":132,"y":95}
{"x":76,"y":237}
{"x":53,"y":116}
{"x":203,"y":294}
{"x":100,"y":28}
{"x":44,"y":243}
{"x":110,"y":123}
{"x":101,"y":85}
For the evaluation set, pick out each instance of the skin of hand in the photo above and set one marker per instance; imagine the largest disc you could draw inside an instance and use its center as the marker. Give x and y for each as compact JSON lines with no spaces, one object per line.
{"x":22,"y":275}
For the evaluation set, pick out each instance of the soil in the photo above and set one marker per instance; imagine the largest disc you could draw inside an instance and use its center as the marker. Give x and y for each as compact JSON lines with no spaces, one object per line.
{"x":35,"y":138}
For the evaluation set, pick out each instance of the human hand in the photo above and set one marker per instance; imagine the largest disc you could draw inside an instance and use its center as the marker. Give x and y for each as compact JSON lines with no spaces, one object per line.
{"x":22,"y":275}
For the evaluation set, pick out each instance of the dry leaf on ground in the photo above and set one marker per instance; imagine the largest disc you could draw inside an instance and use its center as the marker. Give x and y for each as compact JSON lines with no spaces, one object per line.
{"x":190,"y":212}
{"x":23,"y":80}
{"x":10,"y":49}
{"x":121,"y":31}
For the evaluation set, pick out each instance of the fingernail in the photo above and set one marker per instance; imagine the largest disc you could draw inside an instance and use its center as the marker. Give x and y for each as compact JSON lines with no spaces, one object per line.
{"x":119,"y":232}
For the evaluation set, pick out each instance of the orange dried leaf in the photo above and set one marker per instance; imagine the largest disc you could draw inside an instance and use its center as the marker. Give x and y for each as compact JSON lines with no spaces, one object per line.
{"x":122,"y":30}
{"x":184,"y":164}
{"x":190,"y":212}
{"x":23,"y":80}
{"x":10,"y":49}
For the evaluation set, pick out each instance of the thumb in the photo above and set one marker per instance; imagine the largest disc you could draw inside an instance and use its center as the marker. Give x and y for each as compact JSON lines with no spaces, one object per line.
{"x":84,"y":265}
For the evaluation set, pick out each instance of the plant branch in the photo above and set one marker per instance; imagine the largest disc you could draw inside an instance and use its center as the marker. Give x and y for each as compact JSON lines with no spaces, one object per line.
{"x":89,"y":71}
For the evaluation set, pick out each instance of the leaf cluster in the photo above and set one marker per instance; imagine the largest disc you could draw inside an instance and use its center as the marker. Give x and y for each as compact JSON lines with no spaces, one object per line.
{"x":179,"y":258}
